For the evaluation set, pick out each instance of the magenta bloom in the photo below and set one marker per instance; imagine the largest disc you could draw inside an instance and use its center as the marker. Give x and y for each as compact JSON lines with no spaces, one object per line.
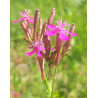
{"x":37,"y":47}
{"x":25,"y":17}
{"x":59,"y":29}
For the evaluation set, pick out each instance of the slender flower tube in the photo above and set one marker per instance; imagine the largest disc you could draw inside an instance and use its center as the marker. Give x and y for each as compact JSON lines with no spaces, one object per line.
{"x":26,"y":27}
{"x":43,"y":30}
{"x":72,"y":28}
{"x":46,"y":39}
{"x":60,"y":30}
{"x":36,"y":18}
{"x":41,"y":61}
{"x":25,"y":17}
{"x":46,"y":42}
{"x":58,"y":48}
{"x":51,"y":17}
{"x":66,"y":45}
{"x":40,"y":29}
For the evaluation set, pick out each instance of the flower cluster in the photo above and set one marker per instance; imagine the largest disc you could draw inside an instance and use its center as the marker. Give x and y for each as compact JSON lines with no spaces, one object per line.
{"x":39,"y":41}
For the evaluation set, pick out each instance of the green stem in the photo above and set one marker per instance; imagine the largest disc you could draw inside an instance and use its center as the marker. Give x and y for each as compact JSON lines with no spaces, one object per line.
{"x":46,"y":83}
{"x":53,"y":84}
{"x":52,"y":88}
{"x":47,"y":86}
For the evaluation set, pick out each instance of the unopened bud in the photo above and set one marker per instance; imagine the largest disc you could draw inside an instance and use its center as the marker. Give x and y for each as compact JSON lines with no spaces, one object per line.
{"x":47,"y":45}
{"x":72,"y":28}
{"x":66,"y":46}
{"x":51,"y":17}
{"x":52,"y":59}
{"x":40,"y":29}
{"x":36,"y":18}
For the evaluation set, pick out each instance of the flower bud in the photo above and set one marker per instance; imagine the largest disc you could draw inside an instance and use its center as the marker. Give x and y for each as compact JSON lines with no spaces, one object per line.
{"x":47,"y":46}
{"x":40,"y":29}
{"x":51,"y":17}
{"x":66,"y":46}
{"x":26,"y":27}
{"x":43,"y":30}
{"x":36,"y":18}
{"x":52,"y":59}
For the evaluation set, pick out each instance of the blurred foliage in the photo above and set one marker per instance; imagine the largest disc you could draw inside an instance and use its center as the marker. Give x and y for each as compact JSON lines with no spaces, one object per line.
{"x":71,"y":78}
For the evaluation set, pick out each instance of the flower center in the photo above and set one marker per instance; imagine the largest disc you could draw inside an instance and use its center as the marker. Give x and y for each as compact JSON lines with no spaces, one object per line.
{"x":37,"y":44}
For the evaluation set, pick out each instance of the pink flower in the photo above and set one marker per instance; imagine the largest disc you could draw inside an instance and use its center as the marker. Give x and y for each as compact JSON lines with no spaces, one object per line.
{"x":37,"y":47}
{"x":29,"y":19}
{"x":59,"y":29}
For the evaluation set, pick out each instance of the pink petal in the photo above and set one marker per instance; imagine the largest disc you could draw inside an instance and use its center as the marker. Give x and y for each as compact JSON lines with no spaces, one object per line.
{"x":41,"y":48}
{"x":65,"y":23}
{"x":25,"y":12}
{"x":16,"y":21}
{"x":73,"y":34}
{"x":22,"y":18}
{"x":65,"y":30}
{"x":30,"y":47}
{"x":51,"y":26}
{"x":22,"y":14}
{"x":52,"y":49}
{"x":30,"y":20}
{"x":38,"y":53}
{"x":51,"y":33}
{"x":31,"y":53}
{"x":63,"y":36}
{"x":59,"y":23}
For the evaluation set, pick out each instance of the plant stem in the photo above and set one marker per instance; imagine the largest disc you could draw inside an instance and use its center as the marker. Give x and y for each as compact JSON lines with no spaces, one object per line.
{"x":47,"y":85}
{"x":52,"y":88}
{"x":53,"y":83}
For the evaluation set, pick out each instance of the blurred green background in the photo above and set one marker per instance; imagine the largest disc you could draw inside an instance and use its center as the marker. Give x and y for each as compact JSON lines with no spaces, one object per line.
{"x":71,"y":77}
